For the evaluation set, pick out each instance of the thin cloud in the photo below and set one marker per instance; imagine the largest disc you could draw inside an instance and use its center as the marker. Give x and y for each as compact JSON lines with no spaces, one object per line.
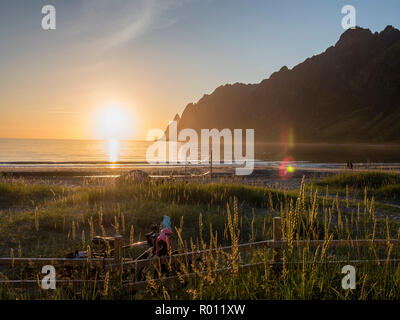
{"x":139,"y":25}
{"x":134,"y":19}
{"x":104,"y":25}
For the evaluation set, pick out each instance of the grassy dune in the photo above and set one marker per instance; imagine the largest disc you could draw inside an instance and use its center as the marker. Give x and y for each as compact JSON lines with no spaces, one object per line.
{"x":120,"y":208}
{"x":382,"y":185}
{"x":207,"y":216}
{"x":19,"y":194}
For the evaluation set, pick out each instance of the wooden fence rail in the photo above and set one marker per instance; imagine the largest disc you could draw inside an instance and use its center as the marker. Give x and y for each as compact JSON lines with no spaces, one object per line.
{"x":276,"y":244}
{"x":55,"y":261}
{"x":139,"y":285}
{"x":268,"y":244}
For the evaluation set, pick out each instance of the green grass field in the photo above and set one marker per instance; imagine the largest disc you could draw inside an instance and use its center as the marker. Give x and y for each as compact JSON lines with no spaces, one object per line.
{"x":381,"y":185}
{"x":46,"y":221}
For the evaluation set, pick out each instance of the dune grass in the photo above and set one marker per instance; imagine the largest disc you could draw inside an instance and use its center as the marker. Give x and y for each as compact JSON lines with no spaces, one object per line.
{"x":19,"y":194}
{"x":122,"y":207}
{"x":208,"y":216}
{"x":361,"y":180}
{"x":381,"y":185}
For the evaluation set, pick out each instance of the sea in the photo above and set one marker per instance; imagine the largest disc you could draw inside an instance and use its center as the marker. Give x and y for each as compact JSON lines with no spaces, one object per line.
{"x":32,"y":153}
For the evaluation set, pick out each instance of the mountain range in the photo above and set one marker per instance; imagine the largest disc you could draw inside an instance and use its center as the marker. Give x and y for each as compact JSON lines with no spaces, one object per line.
{"x":349,"y":93}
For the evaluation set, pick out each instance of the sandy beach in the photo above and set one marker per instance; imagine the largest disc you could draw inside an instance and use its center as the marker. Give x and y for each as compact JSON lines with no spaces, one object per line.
{"x":263,"y":175}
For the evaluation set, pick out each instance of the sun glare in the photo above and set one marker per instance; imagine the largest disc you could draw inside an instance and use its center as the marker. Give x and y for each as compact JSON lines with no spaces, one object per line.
{"x":113,"y":150}
{"x":112,"y":124}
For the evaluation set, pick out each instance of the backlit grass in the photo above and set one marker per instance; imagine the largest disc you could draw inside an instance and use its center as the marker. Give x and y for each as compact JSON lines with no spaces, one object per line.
{"x":206,"y":216}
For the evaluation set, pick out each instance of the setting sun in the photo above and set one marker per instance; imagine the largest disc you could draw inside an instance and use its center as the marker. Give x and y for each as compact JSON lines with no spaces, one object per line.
{"x":113,"y":122}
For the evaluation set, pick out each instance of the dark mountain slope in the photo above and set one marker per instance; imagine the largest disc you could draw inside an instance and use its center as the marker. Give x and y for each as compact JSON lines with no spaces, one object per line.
{"x":351,"y":92}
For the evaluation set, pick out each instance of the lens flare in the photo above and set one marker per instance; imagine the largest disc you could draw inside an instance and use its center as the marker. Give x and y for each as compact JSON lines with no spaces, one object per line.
{"x":291,"y":138}
{"x":287,"y":139}
{"x":287,"y":168}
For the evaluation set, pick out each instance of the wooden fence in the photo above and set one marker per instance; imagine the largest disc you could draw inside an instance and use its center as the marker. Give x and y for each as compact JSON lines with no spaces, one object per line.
{"x":118,"y":262}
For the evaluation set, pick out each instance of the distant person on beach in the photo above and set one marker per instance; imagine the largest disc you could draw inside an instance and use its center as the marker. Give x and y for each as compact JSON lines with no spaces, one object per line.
{"x":349,"y":165}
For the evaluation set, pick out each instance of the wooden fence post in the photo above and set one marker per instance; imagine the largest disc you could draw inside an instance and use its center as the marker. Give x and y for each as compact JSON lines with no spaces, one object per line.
{"x":118,"y":248}
{"x":277,"y":236}
{"x":211,"y":165}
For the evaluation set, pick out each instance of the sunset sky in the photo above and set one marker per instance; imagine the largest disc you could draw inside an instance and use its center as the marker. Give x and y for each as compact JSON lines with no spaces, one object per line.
{"x":151,"y":57}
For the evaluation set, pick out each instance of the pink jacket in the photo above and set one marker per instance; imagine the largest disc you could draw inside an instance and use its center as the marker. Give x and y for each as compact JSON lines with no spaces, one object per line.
{"x":164,"y":237}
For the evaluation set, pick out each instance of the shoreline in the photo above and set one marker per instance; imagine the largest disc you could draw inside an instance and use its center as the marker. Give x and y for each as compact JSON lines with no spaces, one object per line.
{"x":263,"y":175}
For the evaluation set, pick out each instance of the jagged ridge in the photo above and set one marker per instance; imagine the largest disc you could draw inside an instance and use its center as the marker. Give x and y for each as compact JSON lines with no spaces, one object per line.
{"x":351,"y":92}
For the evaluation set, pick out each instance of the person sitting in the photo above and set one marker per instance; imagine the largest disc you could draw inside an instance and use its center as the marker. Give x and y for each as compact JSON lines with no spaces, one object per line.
{"x":163,"y":242}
